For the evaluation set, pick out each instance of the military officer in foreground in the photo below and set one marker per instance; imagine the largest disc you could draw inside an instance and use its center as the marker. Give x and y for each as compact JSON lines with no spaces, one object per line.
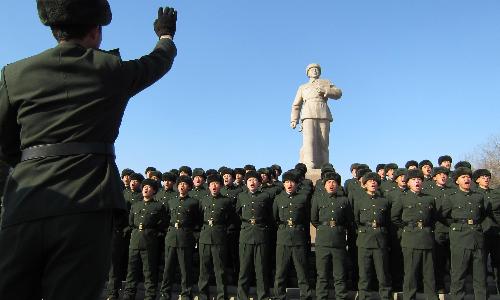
{"x":292,"y":214}
{"x":147,"y":218}
{"x":372,"y":218}
{"x":415,"y":212}
{"x":218,"y":212}
{"x":332,"y":216}
{"x":254,"y":208}
{"x":60,"y":113}
{"x":184,"y":216}
{"x":465,"y":212}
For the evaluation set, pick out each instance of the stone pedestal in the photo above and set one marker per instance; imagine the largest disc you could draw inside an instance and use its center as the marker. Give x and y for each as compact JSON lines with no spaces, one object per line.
{"x":313,"y":175}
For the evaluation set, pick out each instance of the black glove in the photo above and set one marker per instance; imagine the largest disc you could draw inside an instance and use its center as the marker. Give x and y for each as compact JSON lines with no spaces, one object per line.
{"x":166,"y":22}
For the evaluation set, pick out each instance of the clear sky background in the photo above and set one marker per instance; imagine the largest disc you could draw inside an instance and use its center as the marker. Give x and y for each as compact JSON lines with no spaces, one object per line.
{"x":420,"y":78}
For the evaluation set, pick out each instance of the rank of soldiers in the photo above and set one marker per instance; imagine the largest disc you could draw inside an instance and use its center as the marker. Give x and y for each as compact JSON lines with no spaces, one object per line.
{"x":392,"y":230}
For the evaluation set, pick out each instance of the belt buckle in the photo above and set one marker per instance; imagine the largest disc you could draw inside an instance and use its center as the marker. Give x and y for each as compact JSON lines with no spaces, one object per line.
{"x":141,"y":226}
{"x":420,"y":224}
{"x":333,"y":223}
{"x":252,"y":221}
{"x":289,"y":222}
{"x":374,"y":224}
{"x":211,"y":222}
{"x":177,"y":225}
{"x":470,"y":221}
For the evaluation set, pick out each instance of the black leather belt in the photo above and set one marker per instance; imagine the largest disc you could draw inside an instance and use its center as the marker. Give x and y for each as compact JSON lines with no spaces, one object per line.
{"x":417,"y":224}
{"x":66,"y":149}
{"x":331,"y":223}
{"x":212,"y":223}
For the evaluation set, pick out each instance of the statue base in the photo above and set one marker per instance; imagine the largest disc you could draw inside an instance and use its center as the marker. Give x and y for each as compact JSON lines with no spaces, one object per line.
{"x":313,"y":175}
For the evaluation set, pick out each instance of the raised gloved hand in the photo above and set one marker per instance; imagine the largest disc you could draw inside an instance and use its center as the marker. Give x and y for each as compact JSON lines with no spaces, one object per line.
{"x":165,"y":24}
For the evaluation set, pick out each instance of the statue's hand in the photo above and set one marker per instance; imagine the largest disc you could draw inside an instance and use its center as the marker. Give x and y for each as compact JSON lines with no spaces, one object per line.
{"x":293,"y":124}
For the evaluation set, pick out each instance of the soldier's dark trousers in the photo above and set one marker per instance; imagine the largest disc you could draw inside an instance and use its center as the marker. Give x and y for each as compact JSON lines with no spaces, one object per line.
{"x":253,"y":258}
{"x":334,"y":259}
{"x":285,"y":255}
{"x":212,"y":255}
{"x":463,"y":260}
{"x":149,"y":258}
{"x":396,"y":260}
{"x":442,"y":263}
{"x":65,"y":257}
{"x":233,"y":238}
{"x":119,"y":262}
{"x":183,"y":256}
{"x":368,"y":260}
{"x":493,"y":248}
{"x":418,"y":261}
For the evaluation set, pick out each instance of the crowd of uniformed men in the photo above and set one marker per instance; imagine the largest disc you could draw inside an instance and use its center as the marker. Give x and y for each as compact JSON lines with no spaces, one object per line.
{"x":402,"y":229}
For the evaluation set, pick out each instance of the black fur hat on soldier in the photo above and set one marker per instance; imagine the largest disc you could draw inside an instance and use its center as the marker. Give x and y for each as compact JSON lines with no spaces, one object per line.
{"x":74,"y":12}
{"x":444,"y":158}
{"x":291,"y":176}
{"x":152,"y":183}
{"x":167,"y":176}
{"x":252,"y":174}
{"x":461,"y":171}
{"x":480,"y":172}
{"x":136,"y":176}
{"x":332,"y":176}
{"x":214,"y":178}
{"x":415,"y":173}
{"x":185,"y":179}
{"x":371,"y":176}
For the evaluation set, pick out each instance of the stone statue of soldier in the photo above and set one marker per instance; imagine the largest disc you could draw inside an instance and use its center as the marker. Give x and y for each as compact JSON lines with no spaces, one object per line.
{"x":311,"y":107}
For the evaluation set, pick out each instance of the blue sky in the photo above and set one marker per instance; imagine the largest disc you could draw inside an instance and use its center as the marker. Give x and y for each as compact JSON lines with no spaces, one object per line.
{"x":419,"y":78}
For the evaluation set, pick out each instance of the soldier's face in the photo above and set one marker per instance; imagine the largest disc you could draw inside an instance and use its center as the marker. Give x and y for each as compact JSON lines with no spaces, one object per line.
{"x":214,"y":188}
{"x":353,"y":172}
{"x":134,"y":185}
{"x":446,"y":164}
{"x":198,"y":181}
{"x":427,"y":170}
{"x":147,"y":192}
{"x":415,"y":185}
{"x":239,"y":177}
{"x":168,"y":185}
{"x":464,"y":182}
{"x":412,"y":167}
{"x":253,"y":184}
{"x":401,"y":181}
{"x":290,"y":186}
{"x":483,"y":181}
{"x":265,"y":178}
{"x":228,"y":179}
{"x":440,"y":179}
{"x":126,"y":180}
{"x":331,"y":186}
{"x":371,"y":186}
{"x":183,"y":188}
{"x":183,"y":173}
{"x":381,"y":173}
{"x":390,"y":173}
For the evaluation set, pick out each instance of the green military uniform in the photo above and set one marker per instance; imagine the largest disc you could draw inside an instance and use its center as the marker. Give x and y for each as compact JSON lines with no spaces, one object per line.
{"x":372,"y":218}
{"x":198,"y":192}
{"x":416,"y":213}
{"x":148,"y":219}
{"x":74,"y":97}
{"x":255,"y":211}
{"x":465,"y":212}
{"x":492,"y":230}
{"x":396,"y":253}
{"x":184,"y":216}
{"x":441,"y":237}
{"x":233,"y":234}
{"x":291,"y":214}
{"x":218,"y":212}
{"x":332,"y":216}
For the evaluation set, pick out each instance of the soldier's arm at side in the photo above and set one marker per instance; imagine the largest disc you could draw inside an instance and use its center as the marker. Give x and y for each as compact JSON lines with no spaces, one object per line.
{"x":276,"y":215}
{"x":445,"y":212}
{"x":396,"y":212}
{"x":10,"y":142}
{"x":314,"y":212}
{"x":140,"y":73}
